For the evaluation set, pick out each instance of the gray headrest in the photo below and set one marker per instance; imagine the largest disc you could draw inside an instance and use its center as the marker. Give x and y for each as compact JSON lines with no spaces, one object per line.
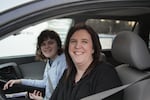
{"x":129,"y":48}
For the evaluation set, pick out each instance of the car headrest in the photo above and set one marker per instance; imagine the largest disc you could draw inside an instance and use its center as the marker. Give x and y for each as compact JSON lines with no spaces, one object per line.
{"x":129,"y":48}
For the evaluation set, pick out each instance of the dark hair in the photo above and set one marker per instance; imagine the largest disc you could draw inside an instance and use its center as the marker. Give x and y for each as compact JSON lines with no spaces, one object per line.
{"x":46,"y":34}
{"x":96,"y":47}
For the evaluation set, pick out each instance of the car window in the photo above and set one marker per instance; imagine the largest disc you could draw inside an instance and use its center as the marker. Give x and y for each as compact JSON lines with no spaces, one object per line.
{"x":107,"y":29}
{"x":8,"y":4}
{"x":24,"y":43}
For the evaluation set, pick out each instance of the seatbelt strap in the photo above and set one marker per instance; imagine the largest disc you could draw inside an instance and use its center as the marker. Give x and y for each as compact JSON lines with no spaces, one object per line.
{"x":49,"y":79}
{"x":50,"y":85}
{"x":107,"y":93}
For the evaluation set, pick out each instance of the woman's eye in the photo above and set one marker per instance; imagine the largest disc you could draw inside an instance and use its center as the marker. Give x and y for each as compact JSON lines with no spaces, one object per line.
{"x":84,"y":41}
{"x":43,"y":44}
{"x":72,"y":41}
{"x":50,"y":42}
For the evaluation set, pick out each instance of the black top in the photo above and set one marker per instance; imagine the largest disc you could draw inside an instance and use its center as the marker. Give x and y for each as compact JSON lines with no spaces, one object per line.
{"x":102,"y":77}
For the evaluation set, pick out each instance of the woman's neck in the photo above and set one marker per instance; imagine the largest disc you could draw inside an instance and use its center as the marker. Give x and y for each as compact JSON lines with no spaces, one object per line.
{"x":53,"y":58}
{"x":81,"y":70}
{"x":79,"y":75}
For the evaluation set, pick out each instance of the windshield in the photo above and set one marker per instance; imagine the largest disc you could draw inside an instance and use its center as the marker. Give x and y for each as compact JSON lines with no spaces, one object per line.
{"x":8,"y":4}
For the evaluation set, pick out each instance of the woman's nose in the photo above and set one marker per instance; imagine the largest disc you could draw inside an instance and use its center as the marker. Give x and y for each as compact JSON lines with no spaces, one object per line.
{"x":78,"y":45}
{"x":47,"y":46}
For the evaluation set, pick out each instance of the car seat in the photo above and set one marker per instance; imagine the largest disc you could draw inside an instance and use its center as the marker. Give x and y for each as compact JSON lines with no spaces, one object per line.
{"x":130,"y":50}
{"x":28,"y":70}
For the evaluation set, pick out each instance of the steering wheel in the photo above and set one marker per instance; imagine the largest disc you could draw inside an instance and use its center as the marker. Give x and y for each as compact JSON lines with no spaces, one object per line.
{"x":2,"y":95}
{"x":9,"y":71}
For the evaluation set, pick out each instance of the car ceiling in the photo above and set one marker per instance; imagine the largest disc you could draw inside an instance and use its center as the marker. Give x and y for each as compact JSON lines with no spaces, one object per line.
{"x":30,"y":14}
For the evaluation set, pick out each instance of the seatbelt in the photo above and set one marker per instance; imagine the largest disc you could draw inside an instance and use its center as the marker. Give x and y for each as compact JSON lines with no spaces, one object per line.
{"x":49,"y":79}
{"x":50,"y":85}
{"x":107,"y":93}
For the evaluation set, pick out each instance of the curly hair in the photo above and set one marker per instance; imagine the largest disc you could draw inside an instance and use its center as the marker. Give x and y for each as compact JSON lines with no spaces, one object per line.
{"x":46,"y":34}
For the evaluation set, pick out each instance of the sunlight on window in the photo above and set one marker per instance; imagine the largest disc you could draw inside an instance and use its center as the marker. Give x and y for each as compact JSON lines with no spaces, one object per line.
{"x":8,"y":4}
{"x":25,"y":42}
{"x":108,"y":29}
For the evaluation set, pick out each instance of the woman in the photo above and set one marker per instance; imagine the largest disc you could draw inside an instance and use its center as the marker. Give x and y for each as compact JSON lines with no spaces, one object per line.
{"x":49,"y":49}
{"x":87,"y":74}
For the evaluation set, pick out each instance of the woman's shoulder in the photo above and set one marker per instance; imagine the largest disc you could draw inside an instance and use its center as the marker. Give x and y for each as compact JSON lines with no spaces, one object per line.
{"x":108,"y":71}
{"x":104,"y":64}
{"x":61,"y":57}
{"x":104,"y":67}
{"x":61,"y":60}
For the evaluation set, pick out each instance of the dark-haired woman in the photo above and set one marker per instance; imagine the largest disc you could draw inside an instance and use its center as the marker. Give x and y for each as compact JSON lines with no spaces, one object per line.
{"x":49,"y":48}
{"x":87,"y":74}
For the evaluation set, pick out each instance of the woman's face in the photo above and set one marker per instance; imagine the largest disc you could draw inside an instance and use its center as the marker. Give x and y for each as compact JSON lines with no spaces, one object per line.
{"x":49,"y":48}
{"x":81,"y":47}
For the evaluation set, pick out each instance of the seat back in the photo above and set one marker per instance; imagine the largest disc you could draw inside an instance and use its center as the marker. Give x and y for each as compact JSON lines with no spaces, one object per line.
{"x":34,"y":70}
{"x":128,"y":48}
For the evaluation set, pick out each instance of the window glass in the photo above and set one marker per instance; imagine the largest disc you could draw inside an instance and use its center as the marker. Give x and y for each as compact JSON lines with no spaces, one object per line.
{"x":8,"y":4}
{"x":24,"y":43}
{"x":107,"y":29}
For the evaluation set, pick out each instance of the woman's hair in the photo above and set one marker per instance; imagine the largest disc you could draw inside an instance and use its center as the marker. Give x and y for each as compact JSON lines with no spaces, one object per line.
{"x":96,"y":47}
{"x":45,"y":35}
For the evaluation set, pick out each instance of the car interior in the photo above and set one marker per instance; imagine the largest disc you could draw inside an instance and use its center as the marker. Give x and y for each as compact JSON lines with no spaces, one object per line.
{"x":122,"y":25}
{"x":135,"y":65}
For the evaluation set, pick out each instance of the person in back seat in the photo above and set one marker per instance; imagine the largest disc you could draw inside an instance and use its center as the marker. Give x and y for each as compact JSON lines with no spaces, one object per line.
{"x":49,"y":48}
{"x":87,"y":73}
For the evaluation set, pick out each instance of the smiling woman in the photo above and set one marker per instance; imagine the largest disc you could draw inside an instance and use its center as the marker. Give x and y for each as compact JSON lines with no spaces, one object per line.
{"x":87,"y":73}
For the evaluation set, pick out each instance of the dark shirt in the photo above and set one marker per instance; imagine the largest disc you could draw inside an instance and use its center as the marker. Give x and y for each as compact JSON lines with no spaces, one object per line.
{"x":102,"y":77}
